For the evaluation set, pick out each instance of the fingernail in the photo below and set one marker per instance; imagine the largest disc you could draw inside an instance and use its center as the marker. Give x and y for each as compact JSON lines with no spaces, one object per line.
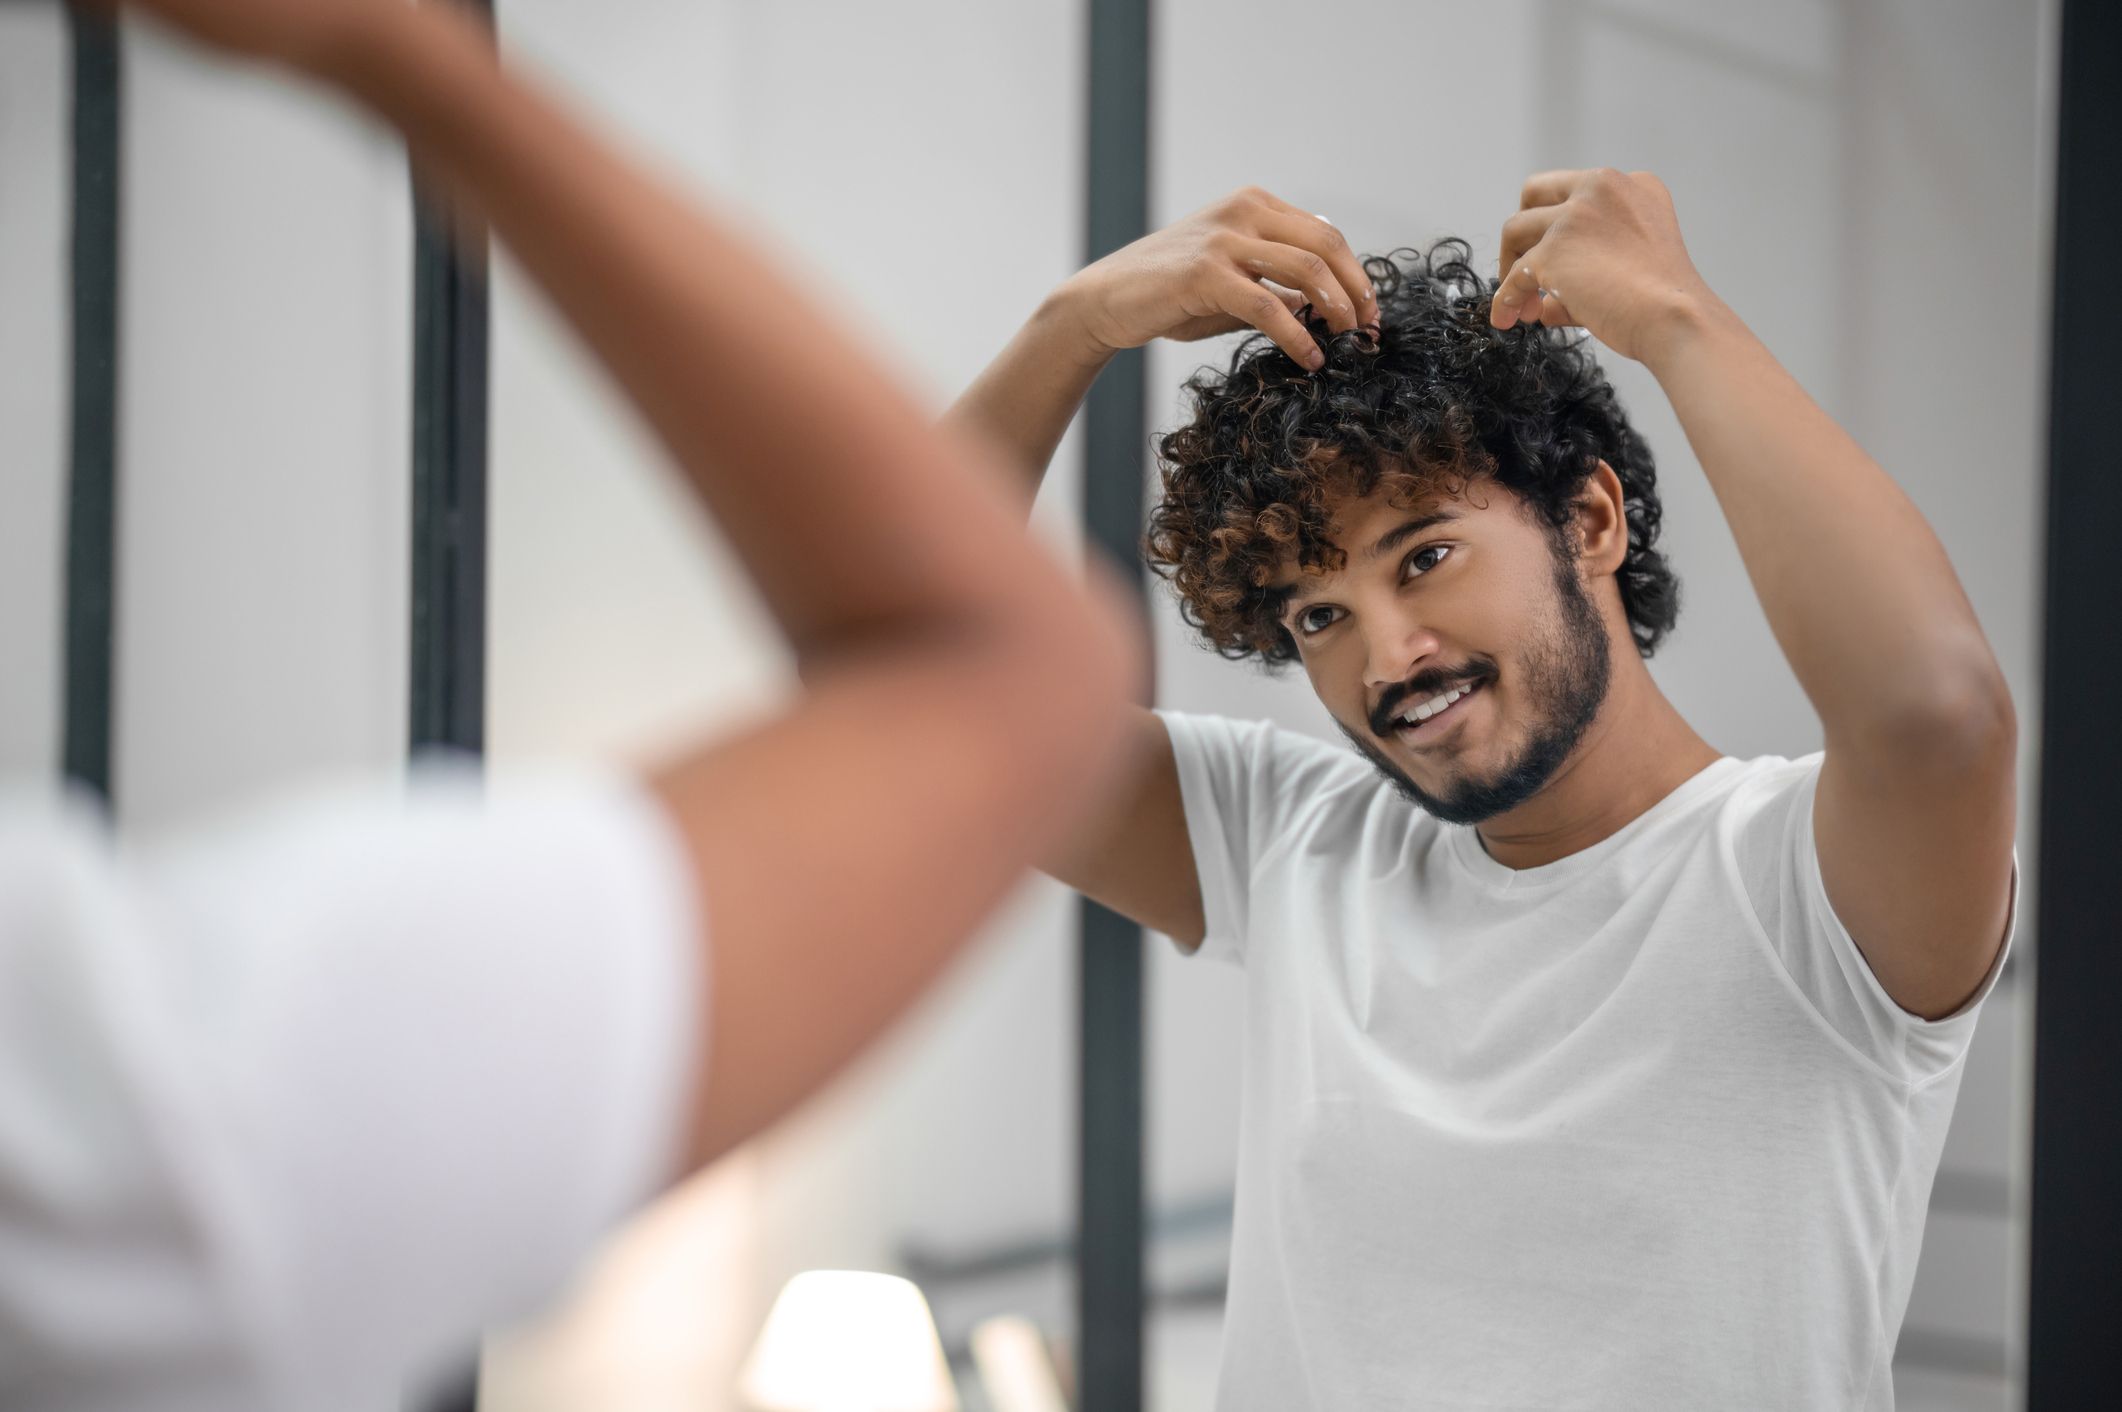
{"x":1314,"y":359}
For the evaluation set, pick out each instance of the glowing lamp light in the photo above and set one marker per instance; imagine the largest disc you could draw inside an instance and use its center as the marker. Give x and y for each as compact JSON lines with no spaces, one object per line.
{"x":848,"y":1341}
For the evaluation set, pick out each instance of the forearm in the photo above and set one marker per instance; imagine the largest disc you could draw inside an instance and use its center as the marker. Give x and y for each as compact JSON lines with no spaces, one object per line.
{"x":857,"y":519}
{"x":1023,"y":401}
{"x":1859,"y":592}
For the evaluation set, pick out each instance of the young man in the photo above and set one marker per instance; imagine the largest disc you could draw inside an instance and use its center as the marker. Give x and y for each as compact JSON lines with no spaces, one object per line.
{"x":1587,"y":1066}
{"x":294,"y":1105}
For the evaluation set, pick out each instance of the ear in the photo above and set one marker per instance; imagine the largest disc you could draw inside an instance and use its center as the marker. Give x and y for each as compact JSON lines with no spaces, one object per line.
{"x":1602,"y":525}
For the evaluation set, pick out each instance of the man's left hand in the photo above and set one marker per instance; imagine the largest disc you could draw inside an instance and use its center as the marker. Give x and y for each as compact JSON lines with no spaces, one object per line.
{"x":1598,"y":250}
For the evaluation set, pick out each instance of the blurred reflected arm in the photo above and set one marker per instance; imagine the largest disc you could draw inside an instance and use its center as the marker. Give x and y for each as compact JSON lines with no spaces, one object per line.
{"x":965,"y":694}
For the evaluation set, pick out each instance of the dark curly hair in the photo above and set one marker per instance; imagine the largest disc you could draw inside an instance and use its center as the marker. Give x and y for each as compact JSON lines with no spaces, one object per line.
{"x":1436,"y":400}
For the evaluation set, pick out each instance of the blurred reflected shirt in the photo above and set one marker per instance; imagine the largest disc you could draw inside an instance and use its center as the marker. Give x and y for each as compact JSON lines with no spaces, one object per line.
{"x":1635,"y":1129}
{"x":292,"y":1106}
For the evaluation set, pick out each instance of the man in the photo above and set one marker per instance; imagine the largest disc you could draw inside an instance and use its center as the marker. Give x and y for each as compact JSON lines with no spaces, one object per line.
{"x":293,"y":1106}
{"x":1587,"y":1066}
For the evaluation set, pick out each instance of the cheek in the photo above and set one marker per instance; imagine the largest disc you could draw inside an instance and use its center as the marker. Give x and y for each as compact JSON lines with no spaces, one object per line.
{"x":1338,"y":685}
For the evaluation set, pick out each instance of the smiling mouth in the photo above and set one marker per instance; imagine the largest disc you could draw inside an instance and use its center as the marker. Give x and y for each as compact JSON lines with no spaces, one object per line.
{"x":1420,"y":732}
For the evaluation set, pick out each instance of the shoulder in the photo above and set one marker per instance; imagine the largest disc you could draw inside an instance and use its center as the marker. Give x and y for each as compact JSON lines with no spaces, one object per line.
{"x":1765,"y":789}
{"x":1271,"y":754}
{"x":1280,"y":782}
{"x":1759,"y":809}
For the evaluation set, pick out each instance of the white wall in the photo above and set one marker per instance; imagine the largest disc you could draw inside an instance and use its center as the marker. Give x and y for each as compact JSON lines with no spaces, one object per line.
{"x":262,"y":435}
{"x":263,"y":386}
{"x":1858,"y":181}
{"x":35,"y":161}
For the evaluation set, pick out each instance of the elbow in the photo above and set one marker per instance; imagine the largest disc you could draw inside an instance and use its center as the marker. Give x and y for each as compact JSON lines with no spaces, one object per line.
{"x":1978,"y":717}
{"x":1097,"y":659}
{"x":1078,"y":668}
{"x":1961,"y":719}
{"x":1120,"y":647}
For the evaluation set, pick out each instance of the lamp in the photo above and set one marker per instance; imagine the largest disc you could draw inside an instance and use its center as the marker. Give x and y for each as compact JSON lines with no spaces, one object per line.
{"x":848,"y":1341}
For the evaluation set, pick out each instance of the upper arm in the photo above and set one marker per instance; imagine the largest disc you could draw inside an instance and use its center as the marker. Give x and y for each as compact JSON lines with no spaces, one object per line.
{"x":1134,"y":855}
{"x":1914,"y":834}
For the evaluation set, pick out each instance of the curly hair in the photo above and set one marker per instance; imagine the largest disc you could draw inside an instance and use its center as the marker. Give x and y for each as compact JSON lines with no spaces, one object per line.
{"x":1435,"y":400}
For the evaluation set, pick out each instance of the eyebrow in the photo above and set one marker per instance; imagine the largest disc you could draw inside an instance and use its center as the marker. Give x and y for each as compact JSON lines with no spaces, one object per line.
{"x":1283,"y":599}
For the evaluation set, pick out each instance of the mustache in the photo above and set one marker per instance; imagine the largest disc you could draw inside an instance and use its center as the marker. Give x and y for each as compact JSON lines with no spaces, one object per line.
{"x":1421,"y":688}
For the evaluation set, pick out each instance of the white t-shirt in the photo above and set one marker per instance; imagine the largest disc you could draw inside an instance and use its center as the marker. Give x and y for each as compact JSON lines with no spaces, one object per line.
{"x":1634,"y":1129}
{"x":293,"y":1106}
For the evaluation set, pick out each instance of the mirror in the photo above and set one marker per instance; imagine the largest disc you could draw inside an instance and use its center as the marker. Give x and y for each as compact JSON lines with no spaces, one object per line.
{"x":1834,"y":167}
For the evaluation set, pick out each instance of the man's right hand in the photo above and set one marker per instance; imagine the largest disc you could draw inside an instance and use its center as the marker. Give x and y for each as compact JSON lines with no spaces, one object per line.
{"x":1251,"y":259}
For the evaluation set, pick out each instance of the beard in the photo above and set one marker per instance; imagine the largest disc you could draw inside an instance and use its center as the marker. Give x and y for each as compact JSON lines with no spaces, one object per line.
{"x":1564,"y":680}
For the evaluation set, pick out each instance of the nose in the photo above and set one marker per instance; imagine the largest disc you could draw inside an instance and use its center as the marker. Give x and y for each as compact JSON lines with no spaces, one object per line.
{"x":1396,"y":652}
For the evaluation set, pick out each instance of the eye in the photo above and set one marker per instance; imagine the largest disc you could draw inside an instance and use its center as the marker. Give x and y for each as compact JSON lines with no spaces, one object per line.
{"x":1428,"y":549}
{"x":1305,"y":626}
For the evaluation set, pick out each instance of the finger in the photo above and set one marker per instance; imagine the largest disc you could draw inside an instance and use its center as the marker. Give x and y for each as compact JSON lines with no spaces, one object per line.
{"x":1554,"y":313}
{"x":1300,"y":269}
{"x":1212,"y":325}
{"x":1277,"y":203}
{"x":1550,"y":188}
{"x":1324,"y":239}
{"x":1522,"y":232}
{"x":1266,"y":310}
{"x":1518,"y":290}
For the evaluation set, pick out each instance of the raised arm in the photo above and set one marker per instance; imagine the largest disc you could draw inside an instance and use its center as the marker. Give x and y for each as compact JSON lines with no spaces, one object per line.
{"x":964,"y":694}
{"x":1915,"y":811}
{"x":1249,"y":260}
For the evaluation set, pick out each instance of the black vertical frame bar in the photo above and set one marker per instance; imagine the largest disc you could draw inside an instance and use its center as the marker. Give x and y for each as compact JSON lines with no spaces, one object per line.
{"x":1109,"y":1250}
{"x":92,"y":489}
{"x":451,"y":323}
{"x":2075,"y":1237}
{"x":450,"y":359}
{"x":450,"y":329}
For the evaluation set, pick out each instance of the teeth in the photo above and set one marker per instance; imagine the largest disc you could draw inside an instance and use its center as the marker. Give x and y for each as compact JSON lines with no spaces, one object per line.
{"x":1432,"y":706}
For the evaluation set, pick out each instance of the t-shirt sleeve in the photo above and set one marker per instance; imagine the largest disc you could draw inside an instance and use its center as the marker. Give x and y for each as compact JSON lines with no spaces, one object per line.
{"x":1247,"y":787}
{"x":390,"y":1056}
{"x":1779,"y":864}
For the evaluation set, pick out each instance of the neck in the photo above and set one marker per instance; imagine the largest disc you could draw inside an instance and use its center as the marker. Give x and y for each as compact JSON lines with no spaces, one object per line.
{"x":1638,"y":750}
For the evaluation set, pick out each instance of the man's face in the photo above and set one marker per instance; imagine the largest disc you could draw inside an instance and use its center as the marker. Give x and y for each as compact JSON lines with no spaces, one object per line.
{"x":1479,"y":597}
